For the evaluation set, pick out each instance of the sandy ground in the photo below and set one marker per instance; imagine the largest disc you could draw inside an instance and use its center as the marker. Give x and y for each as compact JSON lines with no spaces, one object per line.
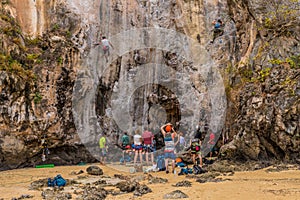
{"x":243,"y":185}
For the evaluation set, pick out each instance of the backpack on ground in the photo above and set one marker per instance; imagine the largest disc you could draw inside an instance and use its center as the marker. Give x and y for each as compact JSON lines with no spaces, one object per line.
{"x":179,"y":162}
{"x":198,"y":170}
{"x":57,"y":181}
{"x":161,"y":166}
{"x":185,"y":171}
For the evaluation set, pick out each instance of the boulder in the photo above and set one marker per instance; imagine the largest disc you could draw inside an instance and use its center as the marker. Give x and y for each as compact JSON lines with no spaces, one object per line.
{"x":94,"y":170}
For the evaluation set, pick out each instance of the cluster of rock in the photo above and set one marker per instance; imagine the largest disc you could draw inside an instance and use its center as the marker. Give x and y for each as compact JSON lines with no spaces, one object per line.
{"x":84,"y":187}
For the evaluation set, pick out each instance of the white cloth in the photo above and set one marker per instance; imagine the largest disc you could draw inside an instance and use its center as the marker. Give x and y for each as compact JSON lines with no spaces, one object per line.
{"x":105,"y":42}
{"x":137,"y":139}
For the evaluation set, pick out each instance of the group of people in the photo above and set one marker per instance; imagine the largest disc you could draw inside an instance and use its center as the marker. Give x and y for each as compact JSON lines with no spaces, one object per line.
{"x":144,"y":145}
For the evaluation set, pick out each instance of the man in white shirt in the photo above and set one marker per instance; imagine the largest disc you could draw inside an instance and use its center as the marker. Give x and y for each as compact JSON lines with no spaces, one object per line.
{"x":105,"y":43}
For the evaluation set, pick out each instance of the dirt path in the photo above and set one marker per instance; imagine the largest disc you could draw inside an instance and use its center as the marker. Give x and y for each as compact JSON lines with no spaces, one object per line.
{"x":242,"y":185}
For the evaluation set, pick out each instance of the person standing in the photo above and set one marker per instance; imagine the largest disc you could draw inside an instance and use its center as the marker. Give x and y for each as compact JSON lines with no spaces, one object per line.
{"x":211,"y":144}
{"x":196,"y":150}
{"x":137,"y":148}
{"x":148,"y":143}
{"x":167,"y":130}
{"x":182,"y":142}
{"x":125,"y":146}
{"x":103,"y":149}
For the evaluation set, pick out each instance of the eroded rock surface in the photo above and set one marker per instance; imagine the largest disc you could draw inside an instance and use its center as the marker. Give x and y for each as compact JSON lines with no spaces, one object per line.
{"x":48,"y":52}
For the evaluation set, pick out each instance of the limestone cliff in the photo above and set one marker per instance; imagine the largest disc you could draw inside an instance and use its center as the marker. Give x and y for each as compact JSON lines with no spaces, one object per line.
{"x":56,"y":85}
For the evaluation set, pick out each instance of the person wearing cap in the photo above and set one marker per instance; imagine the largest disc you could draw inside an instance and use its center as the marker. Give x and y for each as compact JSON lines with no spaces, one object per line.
{"x":169,"y":134}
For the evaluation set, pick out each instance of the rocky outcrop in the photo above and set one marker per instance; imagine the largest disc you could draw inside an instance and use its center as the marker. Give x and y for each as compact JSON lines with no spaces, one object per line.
{"x":37,"y":77}
{"x":56,"y":86}
{"x":263,"y":116}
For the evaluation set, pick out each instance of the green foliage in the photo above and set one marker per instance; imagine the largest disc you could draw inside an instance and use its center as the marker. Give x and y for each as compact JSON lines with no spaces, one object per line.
{"x":281,"y":15}
{"x":275,"y":61}
{"x":32,"y":41}
{"x":32,"y":56}
{"x":268,"y":22}
{"x":293,"y":61}
{"x":8,"y":30}
{"x":5,"y":2}
{"x":263,"y":74}
{"x":55,"y":27}
{"x":68,"y":34}
{"x":59,"y":60}
{"x":5,"y":17}
{"x":37,"y":98}
{"x":8,"y":64}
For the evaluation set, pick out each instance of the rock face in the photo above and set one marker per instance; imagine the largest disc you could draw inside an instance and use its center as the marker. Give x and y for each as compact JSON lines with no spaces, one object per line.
{"x":37,"y":77}
{"x":263,"y":116}
{"x":56,"y":86}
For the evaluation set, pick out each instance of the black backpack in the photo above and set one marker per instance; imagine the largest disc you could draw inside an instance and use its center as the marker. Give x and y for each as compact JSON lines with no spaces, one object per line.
{"x":198,"y":170}
{"x":159,"y":141}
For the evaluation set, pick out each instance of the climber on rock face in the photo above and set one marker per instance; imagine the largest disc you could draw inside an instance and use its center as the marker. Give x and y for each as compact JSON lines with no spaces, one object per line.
{"x":106,"y":44}
{"x":218,"y":29}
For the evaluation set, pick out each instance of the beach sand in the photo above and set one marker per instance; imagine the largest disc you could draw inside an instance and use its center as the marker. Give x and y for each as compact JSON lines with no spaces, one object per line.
{"x":250,"y":185}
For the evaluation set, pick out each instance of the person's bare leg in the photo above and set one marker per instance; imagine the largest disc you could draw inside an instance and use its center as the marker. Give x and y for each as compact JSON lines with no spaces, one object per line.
{"x":141,"y":157}
{"x":135,"y":156}
{"x":173,"y":165}
{"x":167,"y":164}
{"x":124,"y":161}
{"x":147,"y":158}
{"x":194,"y":159}
{"x":152,"y":158}
{"x":200,"y":159}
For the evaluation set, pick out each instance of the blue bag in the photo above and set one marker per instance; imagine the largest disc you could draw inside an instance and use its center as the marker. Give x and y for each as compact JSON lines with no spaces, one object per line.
{"x":161,"y":163}
{"x":57,"y":181}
